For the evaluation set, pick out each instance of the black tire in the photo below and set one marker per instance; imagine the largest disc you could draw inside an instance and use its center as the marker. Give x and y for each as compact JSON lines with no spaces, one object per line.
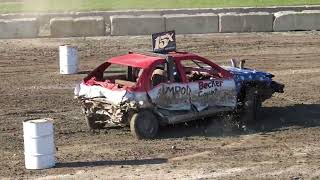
{"x":95,"y":121}
{"x":251,"y":106}
{"x":144,"y":125}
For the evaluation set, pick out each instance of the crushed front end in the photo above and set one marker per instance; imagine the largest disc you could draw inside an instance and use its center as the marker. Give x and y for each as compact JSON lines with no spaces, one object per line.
{"x":105,"y":112}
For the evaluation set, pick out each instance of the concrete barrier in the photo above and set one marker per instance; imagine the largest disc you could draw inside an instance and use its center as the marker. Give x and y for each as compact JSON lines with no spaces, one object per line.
{"x":61,"y":27}
{"x":89,"y":26}
{"x":106,"y":15}
{"x":146,"y":22}
{"x":77,"y":27}
{"x":249,"y":22}
{"x":192,"y":24}
{"x":293,"y":21}
{"x":19,"y":28}
{"x":136,"y":25}
{"x":191,"y":11}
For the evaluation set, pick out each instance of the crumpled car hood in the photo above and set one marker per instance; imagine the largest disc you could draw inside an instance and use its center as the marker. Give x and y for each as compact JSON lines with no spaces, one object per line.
{"x":113,"y":97}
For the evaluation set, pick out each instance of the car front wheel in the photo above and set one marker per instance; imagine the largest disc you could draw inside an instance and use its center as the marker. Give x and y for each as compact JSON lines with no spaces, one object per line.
{"x":144,"y":125}
{"x":251,"y":107}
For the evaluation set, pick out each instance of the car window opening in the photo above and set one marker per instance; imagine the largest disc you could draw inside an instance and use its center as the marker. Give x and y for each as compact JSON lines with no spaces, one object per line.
{"x":197,"y":70}
{"x":159,"y":75}
{"x":122,"y":75}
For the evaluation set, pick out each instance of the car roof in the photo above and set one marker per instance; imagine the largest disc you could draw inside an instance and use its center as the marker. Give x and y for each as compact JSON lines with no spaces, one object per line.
{"x":145,"y":59}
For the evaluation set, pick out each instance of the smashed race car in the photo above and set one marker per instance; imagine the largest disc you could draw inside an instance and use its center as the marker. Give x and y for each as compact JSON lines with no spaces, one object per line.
{"x":152,"y":89}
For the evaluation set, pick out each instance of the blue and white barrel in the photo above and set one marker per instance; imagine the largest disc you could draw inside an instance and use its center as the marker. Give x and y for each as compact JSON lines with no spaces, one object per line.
{"x":39,"y":148}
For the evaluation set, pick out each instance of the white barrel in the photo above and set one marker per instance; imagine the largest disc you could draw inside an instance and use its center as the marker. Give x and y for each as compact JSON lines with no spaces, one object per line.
{"x":68,"y":59}
{"x":39,"y":149}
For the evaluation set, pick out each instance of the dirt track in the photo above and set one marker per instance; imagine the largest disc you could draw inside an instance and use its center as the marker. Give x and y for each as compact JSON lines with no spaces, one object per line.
{"x":287,"y":146}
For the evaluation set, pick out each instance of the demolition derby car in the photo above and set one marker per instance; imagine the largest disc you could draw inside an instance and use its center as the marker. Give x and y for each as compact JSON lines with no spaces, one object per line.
{"x":147,"y":90}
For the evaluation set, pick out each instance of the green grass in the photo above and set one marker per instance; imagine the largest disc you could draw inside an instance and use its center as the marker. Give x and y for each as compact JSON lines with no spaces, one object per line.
{"x":87,"y":5}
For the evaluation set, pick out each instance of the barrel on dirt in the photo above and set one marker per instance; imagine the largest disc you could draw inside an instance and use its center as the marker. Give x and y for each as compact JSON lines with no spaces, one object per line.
{"x":68,"y":59}
{"x":39,"y":149}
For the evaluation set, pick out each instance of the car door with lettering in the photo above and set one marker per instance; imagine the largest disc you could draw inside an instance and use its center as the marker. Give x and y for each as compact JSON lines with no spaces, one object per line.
{"x":169,"y":93}
{"x":208,"y":87}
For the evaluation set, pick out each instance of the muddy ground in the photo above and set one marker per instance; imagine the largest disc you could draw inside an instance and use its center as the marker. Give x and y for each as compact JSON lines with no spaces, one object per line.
{"x":286,"y":144}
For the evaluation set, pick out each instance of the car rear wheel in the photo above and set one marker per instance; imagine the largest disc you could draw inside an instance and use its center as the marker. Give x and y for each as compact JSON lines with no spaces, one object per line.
{"x":144,"y":125}
{"x":95,"y":121}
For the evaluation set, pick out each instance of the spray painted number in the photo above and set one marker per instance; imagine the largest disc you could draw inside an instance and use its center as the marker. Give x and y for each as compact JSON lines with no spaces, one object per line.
{"x":163,"y":41}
